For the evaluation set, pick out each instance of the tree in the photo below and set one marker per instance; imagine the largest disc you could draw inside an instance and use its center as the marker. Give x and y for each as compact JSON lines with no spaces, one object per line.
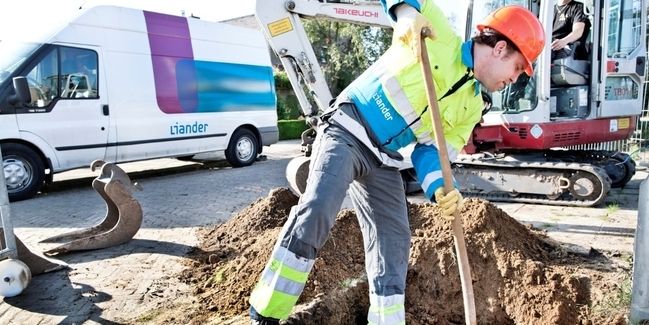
{"x":345,"y":50}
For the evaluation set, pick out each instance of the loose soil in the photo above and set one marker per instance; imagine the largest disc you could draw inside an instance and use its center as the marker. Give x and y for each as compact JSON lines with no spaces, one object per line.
{"x":519,"y":275}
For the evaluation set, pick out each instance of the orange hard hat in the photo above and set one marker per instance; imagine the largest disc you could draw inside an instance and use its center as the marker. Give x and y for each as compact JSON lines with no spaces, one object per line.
{"x":521,"y":27}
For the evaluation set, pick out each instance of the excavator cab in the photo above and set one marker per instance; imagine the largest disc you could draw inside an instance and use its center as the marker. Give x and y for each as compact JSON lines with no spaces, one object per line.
{"x":596,"y":86}
{"x":570,"y":71}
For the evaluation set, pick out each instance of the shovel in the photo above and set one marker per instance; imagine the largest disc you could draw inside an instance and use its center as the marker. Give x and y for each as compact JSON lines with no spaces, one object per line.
{"x":458,"y":232}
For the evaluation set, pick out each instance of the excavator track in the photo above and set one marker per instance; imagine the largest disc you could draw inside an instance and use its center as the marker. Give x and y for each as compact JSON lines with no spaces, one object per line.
{"x":507,"y":179}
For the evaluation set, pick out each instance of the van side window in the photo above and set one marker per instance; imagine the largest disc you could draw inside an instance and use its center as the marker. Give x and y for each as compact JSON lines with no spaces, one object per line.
{"x":42,"y":81}
{"x":78,"y":77}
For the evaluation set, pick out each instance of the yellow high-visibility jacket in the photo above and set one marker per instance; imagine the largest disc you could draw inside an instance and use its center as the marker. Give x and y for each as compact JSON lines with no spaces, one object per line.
{"x":391,"y":95}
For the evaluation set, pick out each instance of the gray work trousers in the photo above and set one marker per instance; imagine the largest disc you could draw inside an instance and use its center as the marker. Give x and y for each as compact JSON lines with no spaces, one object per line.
{"x":340,"y":162}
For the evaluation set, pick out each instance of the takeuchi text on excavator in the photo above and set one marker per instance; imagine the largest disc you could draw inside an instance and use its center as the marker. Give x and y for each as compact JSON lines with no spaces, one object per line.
{"x":523,"y":149}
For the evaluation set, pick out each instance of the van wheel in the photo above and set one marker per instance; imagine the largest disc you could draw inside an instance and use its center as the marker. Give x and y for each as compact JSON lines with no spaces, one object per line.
{"x":242,"y":150}
{"x":24,"y":171}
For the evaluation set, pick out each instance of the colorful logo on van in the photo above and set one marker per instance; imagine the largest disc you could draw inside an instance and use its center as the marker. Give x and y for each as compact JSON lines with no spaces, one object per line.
{"x":185,"y":85}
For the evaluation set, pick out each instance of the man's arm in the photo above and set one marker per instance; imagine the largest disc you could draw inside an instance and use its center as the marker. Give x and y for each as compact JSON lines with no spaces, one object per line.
{"x":580,"y":22}
{"x":425,"y":160}
{"x":408,"y":26}
{"x":391,"y":6}
{"x":575,"y":34}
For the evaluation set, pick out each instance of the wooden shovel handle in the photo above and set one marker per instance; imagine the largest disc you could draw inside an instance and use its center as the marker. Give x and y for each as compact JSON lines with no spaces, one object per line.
{"x":458,"y":232}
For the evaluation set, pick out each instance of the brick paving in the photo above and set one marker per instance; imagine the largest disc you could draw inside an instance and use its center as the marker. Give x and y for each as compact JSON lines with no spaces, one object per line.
{"x":117,"y":284}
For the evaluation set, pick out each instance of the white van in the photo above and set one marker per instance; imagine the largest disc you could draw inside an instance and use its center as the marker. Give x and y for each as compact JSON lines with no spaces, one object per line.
{"x":122,"y":84}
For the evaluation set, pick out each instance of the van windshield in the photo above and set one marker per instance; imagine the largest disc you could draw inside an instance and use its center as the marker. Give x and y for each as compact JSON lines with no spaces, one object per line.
{"x":12,"y":55}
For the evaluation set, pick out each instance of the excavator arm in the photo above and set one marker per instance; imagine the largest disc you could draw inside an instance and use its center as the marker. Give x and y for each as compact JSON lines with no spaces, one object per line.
{"x":281,"y":22}
{"x":282,"y":25}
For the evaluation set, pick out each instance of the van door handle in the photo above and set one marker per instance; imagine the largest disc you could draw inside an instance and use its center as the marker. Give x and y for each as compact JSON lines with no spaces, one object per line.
{"x":104,"y":109}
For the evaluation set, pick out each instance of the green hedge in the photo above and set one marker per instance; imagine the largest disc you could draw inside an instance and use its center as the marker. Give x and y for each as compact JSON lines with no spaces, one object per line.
{"x":288,"y":108}
{"x":291,"y":129}
{"x":281,"y":80}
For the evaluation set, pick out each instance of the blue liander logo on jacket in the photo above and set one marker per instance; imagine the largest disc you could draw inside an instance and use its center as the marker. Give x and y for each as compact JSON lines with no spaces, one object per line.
{"x":380,"y":104}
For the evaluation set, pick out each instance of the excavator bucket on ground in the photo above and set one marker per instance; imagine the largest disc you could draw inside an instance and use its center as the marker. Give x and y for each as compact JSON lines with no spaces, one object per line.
{"x":297,"y":172}
{"x":37,"y":264}
{"x":123,"y":217}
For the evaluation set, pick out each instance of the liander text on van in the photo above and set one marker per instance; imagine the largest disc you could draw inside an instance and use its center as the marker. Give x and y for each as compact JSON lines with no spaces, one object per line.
{"x":178,"y":128}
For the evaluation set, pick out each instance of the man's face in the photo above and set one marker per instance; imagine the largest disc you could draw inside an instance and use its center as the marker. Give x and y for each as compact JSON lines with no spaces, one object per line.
{"x":503,"y":67}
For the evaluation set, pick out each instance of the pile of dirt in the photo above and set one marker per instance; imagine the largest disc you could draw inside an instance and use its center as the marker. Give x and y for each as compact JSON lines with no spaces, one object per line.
{"x":519,"y":276}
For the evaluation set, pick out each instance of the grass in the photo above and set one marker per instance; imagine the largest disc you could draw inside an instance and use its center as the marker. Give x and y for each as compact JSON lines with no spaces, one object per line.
{"x":611,"y":208}
{"x":217,"y":277}
{"x":148,"y":317}
{"x":619,"y":299}
{"x":545,"y":225}
{"x":350,"y":282}
{"x":346,"y":283}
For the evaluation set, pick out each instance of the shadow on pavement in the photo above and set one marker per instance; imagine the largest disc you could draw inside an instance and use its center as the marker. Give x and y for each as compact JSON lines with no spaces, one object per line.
{"x":54,"y":294}
{"x":134,"y":246}
{"x":63,"y":185}
{"x":586,"y":230}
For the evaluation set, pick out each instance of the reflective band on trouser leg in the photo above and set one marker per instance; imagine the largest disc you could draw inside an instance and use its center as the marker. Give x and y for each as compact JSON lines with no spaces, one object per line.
{"x":388,"y":310}
{"x":281,"y":284}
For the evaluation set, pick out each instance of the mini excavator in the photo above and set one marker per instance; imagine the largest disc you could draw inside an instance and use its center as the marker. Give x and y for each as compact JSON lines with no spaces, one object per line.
{"x":529,"y":146}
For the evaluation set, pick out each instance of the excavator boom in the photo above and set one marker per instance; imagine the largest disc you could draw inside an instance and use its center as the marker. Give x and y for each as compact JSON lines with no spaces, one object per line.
{"x":280,"y":21}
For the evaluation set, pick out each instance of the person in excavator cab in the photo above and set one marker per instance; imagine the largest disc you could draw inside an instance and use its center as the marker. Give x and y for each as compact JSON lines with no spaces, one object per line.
{"x":570,"y":29}
{"x":356,"y":146}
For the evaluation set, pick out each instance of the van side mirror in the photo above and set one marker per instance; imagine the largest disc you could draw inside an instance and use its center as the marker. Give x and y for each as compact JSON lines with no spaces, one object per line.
{"x":22,"y":94}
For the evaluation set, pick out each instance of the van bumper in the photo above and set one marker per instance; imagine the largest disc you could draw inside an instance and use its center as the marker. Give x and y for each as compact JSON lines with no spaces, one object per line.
{"x":269,"y":135}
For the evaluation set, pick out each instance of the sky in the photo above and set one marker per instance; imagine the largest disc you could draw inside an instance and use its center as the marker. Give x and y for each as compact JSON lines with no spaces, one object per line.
{"x":18,"y":11}
{"x":26,"y":14}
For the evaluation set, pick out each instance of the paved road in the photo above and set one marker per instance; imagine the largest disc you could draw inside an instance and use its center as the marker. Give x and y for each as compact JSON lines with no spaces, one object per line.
{"x":122,"y":282}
